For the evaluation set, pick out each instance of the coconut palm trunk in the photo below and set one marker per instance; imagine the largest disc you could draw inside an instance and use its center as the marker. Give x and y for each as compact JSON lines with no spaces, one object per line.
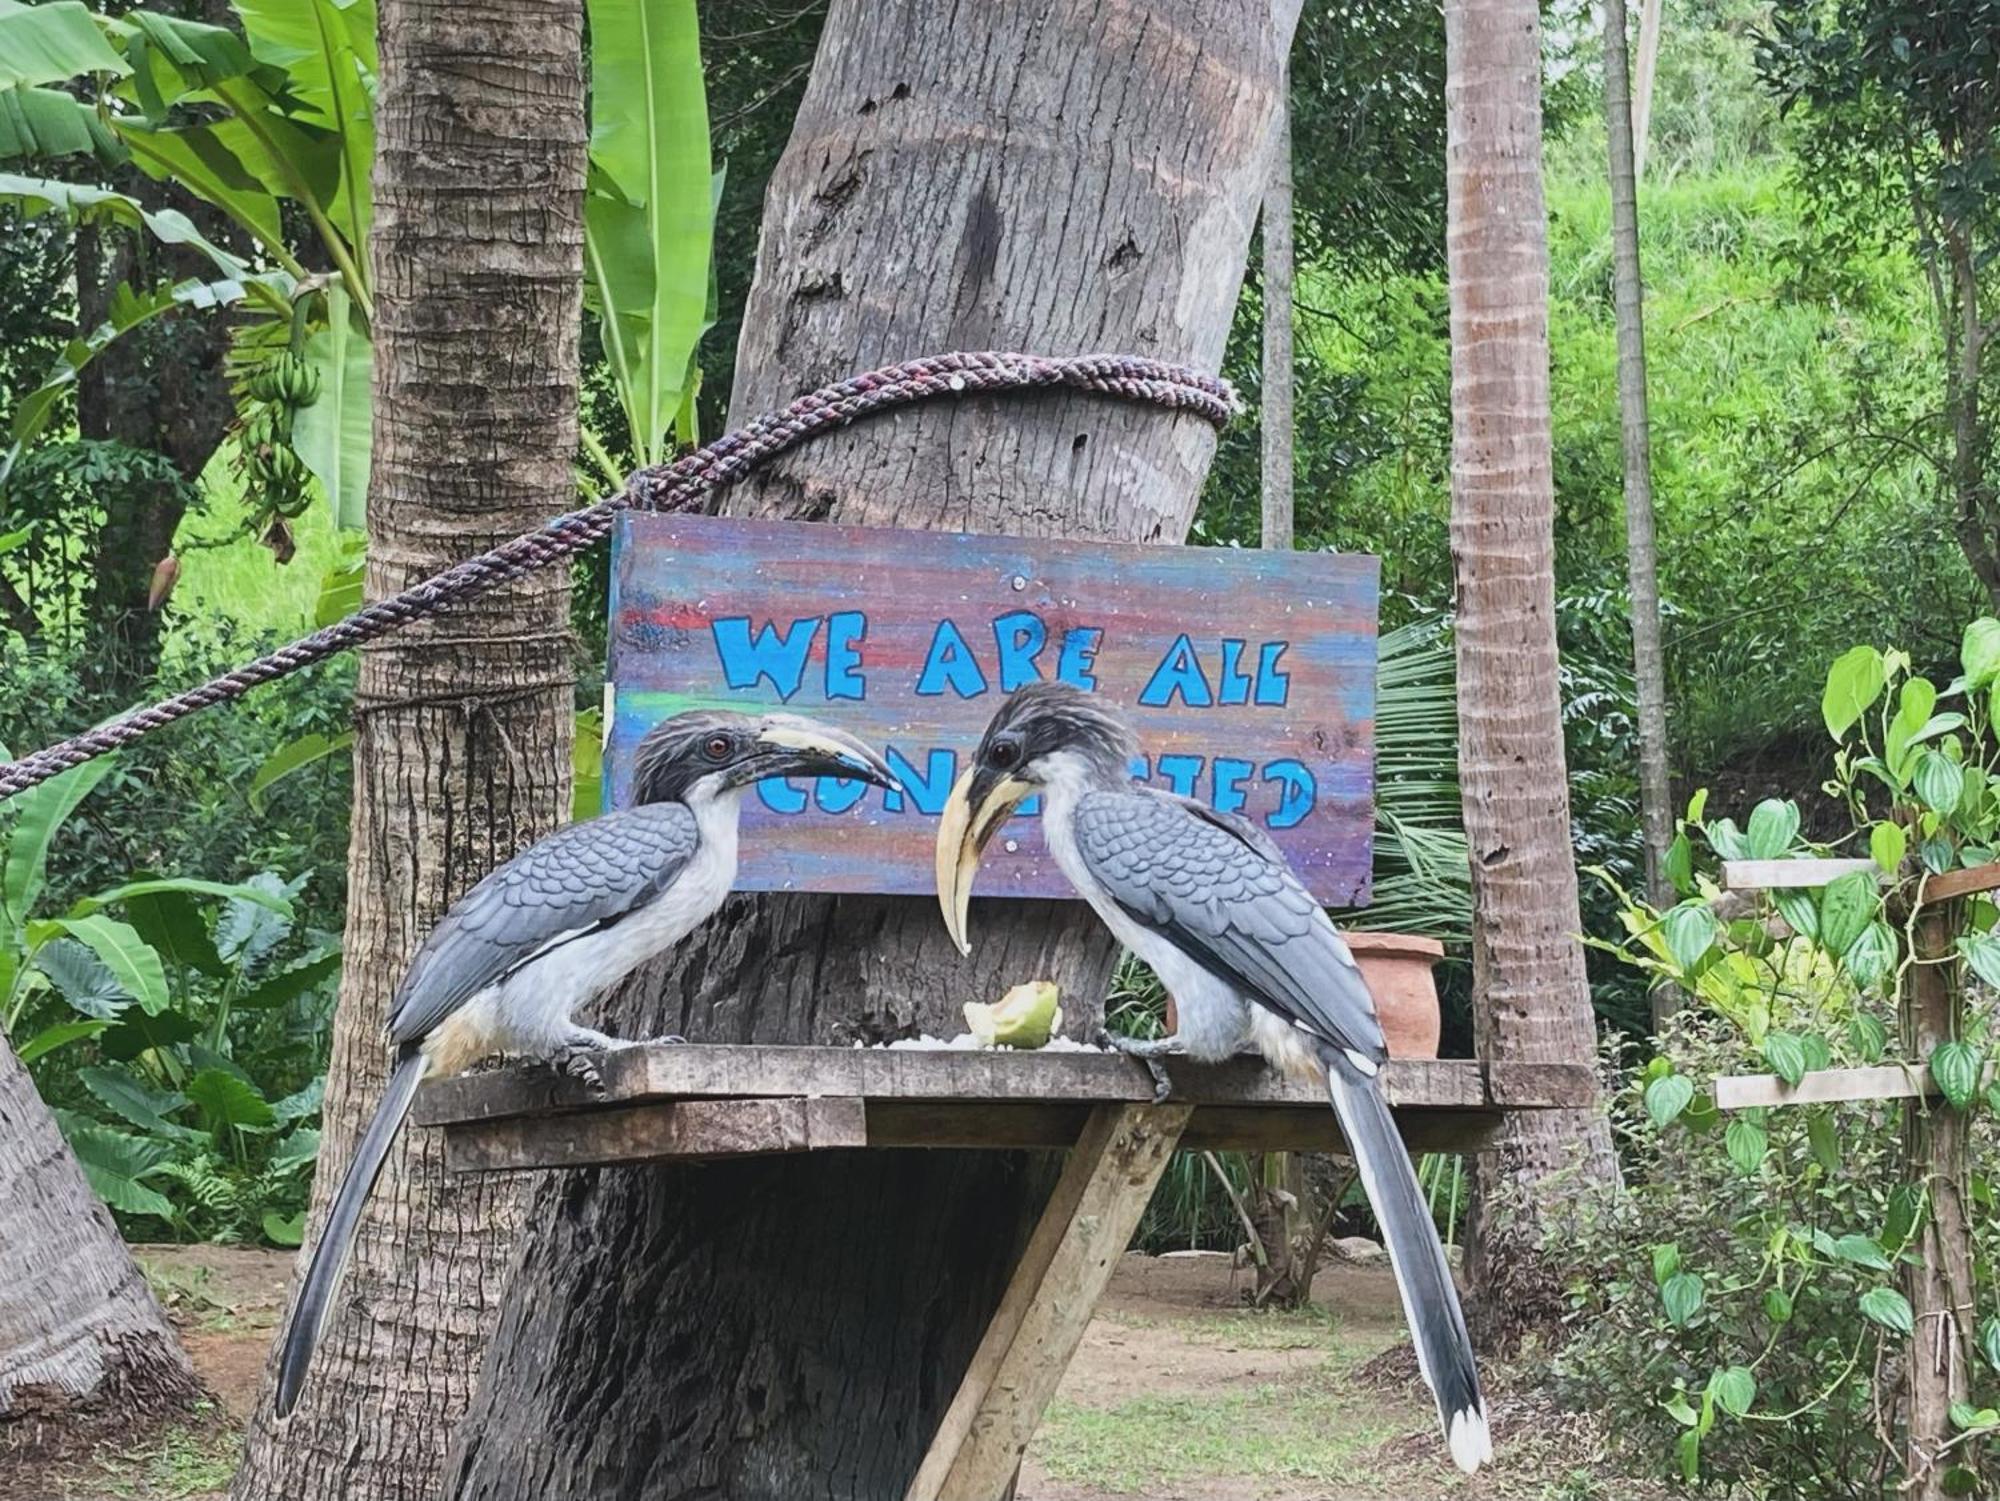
{"x":464,"y":720}
{"x":80,"y":1331}
{"x":1530,"y":999}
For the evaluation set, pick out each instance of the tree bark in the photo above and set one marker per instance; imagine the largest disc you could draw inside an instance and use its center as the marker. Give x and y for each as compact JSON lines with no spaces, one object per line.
{"x":464,"y":720}
{"x":161,"y":388}
{"x":1939,"y":1280}
{"x":79,"y":1327}
{"x":1651,"y":23}
{"x":1530,"y":999}
{"x":993,"y":177}
{"x":1641,"y":555}
{"x":1275,"y":410}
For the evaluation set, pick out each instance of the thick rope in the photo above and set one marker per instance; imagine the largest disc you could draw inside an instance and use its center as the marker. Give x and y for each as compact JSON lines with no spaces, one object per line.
{"x":674,"y":487}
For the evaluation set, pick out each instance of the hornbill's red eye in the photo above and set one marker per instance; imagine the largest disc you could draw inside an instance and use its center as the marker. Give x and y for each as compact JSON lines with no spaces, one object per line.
{"x":717,"y":748}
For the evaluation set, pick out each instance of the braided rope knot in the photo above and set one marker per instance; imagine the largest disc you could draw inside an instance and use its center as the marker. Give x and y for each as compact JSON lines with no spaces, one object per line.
{"x":673,"y":487}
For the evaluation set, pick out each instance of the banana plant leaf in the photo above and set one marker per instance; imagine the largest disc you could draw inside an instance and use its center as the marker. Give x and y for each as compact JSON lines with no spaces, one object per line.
{"x":53,"y":42}
{"x":648,"y":212}
{"x":332,"y":436}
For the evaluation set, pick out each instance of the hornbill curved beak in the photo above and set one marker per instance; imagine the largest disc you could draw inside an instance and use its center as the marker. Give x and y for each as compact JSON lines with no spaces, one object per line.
{"x":980,"y":801}
{"x":791,"y":745}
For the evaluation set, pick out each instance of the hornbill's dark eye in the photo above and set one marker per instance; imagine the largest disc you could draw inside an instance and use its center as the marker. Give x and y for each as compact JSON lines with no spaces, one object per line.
{"x":717,"y":748}
{"x":1004,"y":753}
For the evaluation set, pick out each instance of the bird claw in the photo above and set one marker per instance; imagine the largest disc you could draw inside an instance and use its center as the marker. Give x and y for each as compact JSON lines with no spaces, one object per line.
{"x":580,"y":1063}
{"x":1148,"y":1051}
{"x":667,"y":1039}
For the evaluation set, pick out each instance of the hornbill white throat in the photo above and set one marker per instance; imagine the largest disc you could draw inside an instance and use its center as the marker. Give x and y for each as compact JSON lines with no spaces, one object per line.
{"x":559,"y":924}
{"x":1207,"y":900}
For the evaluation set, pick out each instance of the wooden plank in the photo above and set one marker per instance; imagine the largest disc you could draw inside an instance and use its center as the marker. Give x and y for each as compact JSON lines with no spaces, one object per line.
{"x":1048,"y":1303}
{"x":1956,"y":883}
{"x":1250,"y":677}
{"x":1774,"y":875}
{"x":655,"y":1130}
{"x":734,"y":1072}
{"x":651,"y":1133}
{"x":1889,"y":1081}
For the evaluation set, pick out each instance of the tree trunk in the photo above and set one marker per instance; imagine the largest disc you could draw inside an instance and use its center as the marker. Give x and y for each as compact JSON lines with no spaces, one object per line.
{"x":1275,"y":411}
{"x":1641,"y":556}
{"x":79,"y":1327}
{"x":1937,"y":1145}
{"x":464,"y":720}
{"x":161,"y":387}
{"x":797,"y":1326}
{"x":1530,"y":1000}
{"x":1978,"y":508}
{"x":1651,"y":21}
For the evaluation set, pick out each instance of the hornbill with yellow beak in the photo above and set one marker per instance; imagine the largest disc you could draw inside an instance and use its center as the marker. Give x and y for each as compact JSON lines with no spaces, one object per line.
{"x":559,"y":924}
{"x":1206,"y":899}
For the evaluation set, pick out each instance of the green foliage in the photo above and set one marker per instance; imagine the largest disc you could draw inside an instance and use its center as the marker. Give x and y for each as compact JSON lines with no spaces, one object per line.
{"x":649,"y":213}
{"x":1896,"y":109}
{"x":167,"y":1123}
{"x":1792,"y":1283}
{"x":282,"y":119}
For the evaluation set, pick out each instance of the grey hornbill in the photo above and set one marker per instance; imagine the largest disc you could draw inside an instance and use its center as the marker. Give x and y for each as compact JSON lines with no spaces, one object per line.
{"x":1206,"y":899}
{"x":560,"y":923}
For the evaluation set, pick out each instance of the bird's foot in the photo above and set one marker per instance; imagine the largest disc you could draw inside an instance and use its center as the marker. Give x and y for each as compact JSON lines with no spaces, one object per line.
{"x":1149,"y":1051}
{"x":577,"y":1060}
{"x":667,"y":1039}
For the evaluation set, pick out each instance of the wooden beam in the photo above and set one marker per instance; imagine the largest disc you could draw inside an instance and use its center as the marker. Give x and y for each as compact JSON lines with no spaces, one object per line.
{"x":650,"y":1133}
{"x":1889,"y":1081}
{"x":653,"y":1131}
{"x":1777,"y":875}
{"x":657,"y":1072}
{"x":1048,"y":1303}
{"x":1956,"y":883}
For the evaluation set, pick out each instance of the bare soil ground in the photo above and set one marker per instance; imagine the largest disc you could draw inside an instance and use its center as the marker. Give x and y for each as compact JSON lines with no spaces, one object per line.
{"x":1180,"y":1393}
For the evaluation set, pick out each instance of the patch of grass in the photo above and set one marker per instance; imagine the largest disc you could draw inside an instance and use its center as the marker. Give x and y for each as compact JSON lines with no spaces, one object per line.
{"x":186,"y":1461}
{"x":1317,"y":1429}
{"x":185,"y":1290}
{"x":1314,"y":1327}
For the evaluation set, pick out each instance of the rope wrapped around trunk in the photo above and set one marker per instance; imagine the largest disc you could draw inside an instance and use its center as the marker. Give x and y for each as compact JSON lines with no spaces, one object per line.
{"x":675,"y":487}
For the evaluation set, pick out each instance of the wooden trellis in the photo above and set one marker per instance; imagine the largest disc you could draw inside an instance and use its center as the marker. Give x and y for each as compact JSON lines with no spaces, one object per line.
{"x":1936,"y":1141}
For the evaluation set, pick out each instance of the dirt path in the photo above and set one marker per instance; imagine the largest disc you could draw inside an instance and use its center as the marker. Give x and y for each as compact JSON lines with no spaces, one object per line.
{"x":1179,"y":1393}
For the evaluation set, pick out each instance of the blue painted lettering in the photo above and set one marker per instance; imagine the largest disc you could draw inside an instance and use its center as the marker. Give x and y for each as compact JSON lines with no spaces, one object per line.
{"x":1234,"y":686}
{"x":845,"y":631}
{"x":927,"y":791}
{"x":950,"y":662}
{"x":1274,"y":685}
{"x":1179,"y":672}
{"x":781,"y":658}
{"x":1181,"y":772}
{"x":1229,"y":776}
{"x":1299,"y":794}
{"x":1077,"y":662}
{"x":780,"y":796}
{"x":1020,"y":638}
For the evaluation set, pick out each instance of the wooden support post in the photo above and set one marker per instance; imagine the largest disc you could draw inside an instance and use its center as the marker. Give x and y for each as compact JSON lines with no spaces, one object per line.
{"x":1936,"y":1139}
{"x":1034,"y":1332}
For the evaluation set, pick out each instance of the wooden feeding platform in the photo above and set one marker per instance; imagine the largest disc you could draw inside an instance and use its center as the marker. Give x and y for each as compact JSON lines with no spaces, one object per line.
{"x":710,"y":1103}
{"x":662,"y":1101}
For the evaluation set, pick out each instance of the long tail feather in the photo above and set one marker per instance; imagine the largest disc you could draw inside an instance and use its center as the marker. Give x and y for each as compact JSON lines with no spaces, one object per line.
{"x":336,"y":1240}
{"x":1423,"y":1276}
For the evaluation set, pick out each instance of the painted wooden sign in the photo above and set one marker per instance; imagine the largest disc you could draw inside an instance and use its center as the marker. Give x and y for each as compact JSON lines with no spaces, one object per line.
{"x":1250,"y":677}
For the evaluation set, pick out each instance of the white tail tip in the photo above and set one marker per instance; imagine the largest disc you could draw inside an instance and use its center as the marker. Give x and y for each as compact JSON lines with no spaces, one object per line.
{"x":1471,"y":1445}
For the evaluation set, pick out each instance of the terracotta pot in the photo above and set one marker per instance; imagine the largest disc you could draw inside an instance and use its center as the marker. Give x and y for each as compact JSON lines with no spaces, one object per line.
{"x":1396,"y":967}
{"x":1397,"y":970}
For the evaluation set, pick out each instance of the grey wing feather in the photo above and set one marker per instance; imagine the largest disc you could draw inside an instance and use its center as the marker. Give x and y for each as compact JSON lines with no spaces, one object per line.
{"x":1217,"y":889}
{"x":583,"y":876}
